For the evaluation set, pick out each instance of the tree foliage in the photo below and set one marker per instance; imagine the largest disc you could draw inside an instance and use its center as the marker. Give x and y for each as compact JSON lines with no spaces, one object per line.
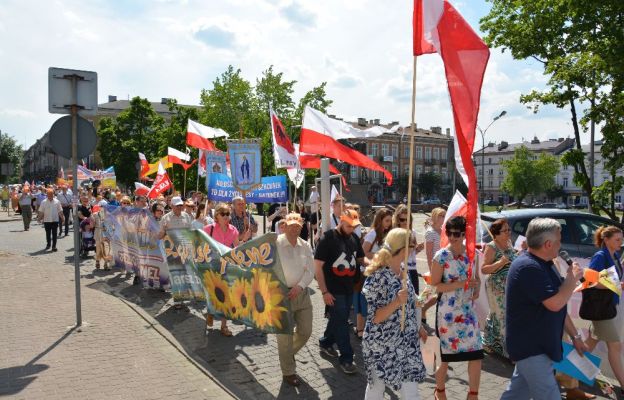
{"x":525,"y":176}
{"x":428,"y":183}
{"x":580,"y":45}
{"x":11,"y":153}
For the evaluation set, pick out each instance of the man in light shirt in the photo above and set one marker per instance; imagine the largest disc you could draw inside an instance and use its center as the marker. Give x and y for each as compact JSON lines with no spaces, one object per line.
{"x":176,"y":218}
{"x":66,"y":203}
{"x":50,"y":213}
{"x":298,"y":266}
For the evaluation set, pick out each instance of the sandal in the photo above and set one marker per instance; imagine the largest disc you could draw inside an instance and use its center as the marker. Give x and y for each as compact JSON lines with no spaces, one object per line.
{"x":436,"y":391}
{"x":209,"y":320}
{"x":292,"y":380}
{"x":225,"y":331}
{"x":473,"y":393}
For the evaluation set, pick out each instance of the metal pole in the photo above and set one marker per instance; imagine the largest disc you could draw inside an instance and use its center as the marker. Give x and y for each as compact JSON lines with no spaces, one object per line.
{"x":592,"y":133}
{"x":184,"y":184}
{"x":325,"y":194}
{"x":482,"y":170}
{"x":74,"y":115}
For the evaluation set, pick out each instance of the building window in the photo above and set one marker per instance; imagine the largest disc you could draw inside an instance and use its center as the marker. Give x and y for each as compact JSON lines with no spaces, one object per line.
{"x":419,"y":152}
{"x":491,"y":172}
{"x":375,"y":176}
{"x":444,"y":154}
{"x":374,"y":149}
{"x":427,"y":153}
{"x":618,"y":198}
{"x":436,"y":169}
{"x":384,"y":149}
{"x":436,"y":153}
{"x":406,"y":149}
{"x":491,"y":183}
{"x":354,"y":172}
{"x":565,"y":182}
{"x":395,"y":150}
{"x":444,"y":174}
{"x":500,"y":173}
{"x":405,"y":170}
{"x":489,"y":160}
{"x":418,"y":170}
{"x":565,"y":167}
{"x":395,"y":171}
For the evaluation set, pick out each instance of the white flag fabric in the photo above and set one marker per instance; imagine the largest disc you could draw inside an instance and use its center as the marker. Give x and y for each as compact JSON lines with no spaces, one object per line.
{"x":176,"y":156}
{"x":334,"y":194}
{"x":319,"y":122}
{"x":198,"y":135}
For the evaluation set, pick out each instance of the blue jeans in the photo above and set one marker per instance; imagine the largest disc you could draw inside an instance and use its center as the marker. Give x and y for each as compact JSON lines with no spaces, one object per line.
{"x":337,"y":330}
{"x":533,"y":378}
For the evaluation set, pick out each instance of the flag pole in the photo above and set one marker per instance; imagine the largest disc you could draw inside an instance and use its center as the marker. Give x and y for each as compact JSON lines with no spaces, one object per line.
{"x":409,"y":190}
{"x":184,"y":184}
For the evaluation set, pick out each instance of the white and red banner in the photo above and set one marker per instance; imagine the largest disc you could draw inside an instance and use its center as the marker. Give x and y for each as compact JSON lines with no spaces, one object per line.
{"x":161,"y":184}
{"x":320,"y":134}
{"x":140,"y":189}
{"x":438,"y":27}
{"x":176,"y":156}
{"x":145,"y":167}
{"x":198,"y":135}
{"x":283,"y":149}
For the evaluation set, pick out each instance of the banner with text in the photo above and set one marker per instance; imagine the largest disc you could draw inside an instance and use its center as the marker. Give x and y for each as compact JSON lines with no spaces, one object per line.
{"x":245,"y":284}
{"x":273,"y":189}
{"x":133,"y":233}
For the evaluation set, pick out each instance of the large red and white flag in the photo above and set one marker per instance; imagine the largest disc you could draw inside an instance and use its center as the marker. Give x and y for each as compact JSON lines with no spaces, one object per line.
{"x":311,"y":161}
{"x":283,"y":149}
{"x":176,"y":156}
{"x":320,"y":134}
{"x":198,"y":135}
{"x":140,"y":189}
{"x":145,"y":167}
{"x":161,"y":183}
{"x":458,"y":208}
{"x":438,"y":27}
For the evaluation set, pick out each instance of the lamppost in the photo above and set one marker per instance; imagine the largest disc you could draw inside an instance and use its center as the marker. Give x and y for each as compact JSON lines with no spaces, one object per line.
{"x":483,"y":131}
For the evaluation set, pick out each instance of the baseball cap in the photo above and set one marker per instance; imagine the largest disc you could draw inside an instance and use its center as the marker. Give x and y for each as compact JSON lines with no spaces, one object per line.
{"x":294,"y":218}
{"x":176,"y":201}
{"x":351,"y":217}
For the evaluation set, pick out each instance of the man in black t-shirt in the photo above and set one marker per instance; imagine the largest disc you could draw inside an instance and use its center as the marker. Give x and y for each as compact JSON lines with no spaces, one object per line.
{"x":337,"y":259}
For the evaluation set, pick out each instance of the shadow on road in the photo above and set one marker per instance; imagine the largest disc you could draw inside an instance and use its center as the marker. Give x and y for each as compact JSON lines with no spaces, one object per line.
{"x":18,"y":378}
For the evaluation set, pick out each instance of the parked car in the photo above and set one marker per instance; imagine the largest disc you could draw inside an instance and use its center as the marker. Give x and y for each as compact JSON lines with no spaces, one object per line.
{"x":432,"y":201}
{"x":577,"y":227}
{"x":562,"y":206}
{"x":490,"y":202}
{"x":619,"y":206}
{"x":515,"y":204}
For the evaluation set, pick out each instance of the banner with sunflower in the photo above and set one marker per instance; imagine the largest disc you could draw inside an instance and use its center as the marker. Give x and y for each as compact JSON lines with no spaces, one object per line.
{"x":245,"y":284}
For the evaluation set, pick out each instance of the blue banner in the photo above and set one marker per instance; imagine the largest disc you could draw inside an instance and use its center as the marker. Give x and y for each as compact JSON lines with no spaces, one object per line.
{"x":273,"y":189}
{"x":245,"y":163}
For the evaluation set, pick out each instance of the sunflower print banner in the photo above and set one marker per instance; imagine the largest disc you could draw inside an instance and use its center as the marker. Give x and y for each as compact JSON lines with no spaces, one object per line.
{"x":245,"y":284}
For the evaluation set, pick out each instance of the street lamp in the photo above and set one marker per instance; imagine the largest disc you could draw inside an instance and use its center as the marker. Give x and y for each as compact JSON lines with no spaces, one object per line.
{"x":483,"y":131}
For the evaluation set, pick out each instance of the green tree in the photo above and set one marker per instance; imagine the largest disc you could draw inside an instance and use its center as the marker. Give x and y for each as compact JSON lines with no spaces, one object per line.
{"x":11,"y":153}
{"x":136,"y":129}
{"x":428,"y":183}
{"x":579,"y":43}
{"x":525,"y":176}
{"x":555,"y":192}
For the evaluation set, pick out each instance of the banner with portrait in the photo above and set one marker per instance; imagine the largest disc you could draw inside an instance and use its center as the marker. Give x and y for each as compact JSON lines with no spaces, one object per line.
{"x":244,"y":284}
{"x":215,"y":163}
{"x":135,"y":247}
{"x":245,"y":163}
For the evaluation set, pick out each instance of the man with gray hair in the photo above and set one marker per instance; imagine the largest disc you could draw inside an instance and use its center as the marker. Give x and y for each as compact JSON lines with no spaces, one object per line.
{"x":536,"y":314}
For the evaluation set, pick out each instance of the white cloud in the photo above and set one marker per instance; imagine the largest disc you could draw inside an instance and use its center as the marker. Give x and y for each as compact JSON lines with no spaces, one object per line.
{"x":13,"y":112}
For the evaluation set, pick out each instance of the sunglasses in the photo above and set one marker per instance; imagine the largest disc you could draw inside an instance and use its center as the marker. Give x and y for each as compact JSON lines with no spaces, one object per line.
{"x":456,"y":234}
{"x":402,"y":219}
{"x":224,"y":214}
{"x":125,"y":202}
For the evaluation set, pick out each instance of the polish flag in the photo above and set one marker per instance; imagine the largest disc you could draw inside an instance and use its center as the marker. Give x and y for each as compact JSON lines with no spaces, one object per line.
{"x":161,"y":183}
{"x":176,"y":156}
{"x":320,"y":134}
{"x":144,"y":166}
{"x":283,"y":149}
{"x":140,"y":189}
{"x":201,"y":164}
{"x":311,"y":161}
{"x":438,"y":27}
{"x":198,"y":135}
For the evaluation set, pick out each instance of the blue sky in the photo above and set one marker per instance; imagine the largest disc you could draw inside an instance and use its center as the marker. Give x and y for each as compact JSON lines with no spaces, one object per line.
{"x":176,"y":48}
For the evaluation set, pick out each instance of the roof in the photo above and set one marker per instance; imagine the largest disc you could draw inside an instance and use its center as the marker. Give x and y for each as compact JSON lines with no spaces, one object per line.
{"x":556,"y":146}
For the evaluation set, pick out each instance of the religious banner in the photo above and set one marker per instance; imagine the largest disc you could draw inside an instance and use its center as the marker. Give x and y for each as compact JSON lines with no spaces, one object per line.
{"x":133,"y":233}
{"x":243,"y":284}
{"x":245,"y":163}
{"x":106,"y":177}
{"x":272,"y":189}
{"x":215,"y":162}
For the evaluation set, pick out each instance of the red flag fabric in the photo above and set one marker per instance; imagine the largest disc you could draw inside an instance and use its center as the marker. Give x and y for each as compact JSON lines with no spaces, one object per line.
{"x":283,"y":149}
{"x":189,"y":165}
{"x":144,"y":166}
{"x":176,"y":156}
{"x":308,"y":161}
{"x":198,"y":135}
{"x":319,"y":135}
{"x":438,"y":27}
{"x":201,"y":165}
{"x":140,"y":189}
{"x":161,"y":183}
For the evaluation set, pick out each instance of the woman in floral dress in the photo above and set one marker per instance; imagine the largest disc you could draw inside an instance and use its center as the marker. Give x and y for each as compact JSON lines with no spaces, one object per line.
{"x":456,"y":317}
{"x":499,"y":254}
{"x":392,"y":356}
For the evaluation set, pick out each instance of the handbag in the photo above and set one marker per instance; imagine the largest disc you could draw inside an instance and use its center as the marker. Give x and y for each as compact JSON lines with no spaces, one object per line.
{"x":598,"y":304}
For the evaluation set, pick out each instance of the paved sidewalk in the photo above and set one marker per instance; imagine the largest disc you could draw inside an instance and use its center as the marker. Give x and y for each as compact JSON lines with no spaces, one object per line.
{"x":129,"y":346}
{"x":115,"y":355}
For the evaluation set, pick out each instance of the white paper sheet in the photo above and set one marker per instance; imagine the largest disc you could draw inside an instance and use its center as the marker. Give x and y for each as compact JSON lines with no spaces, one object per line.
{"x":518,"y":245}
{"x":586,"y":367}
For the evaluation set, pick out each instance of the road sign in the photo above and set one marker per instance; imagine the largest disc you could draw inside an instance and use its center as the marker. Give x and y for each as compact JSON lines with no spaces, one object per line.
{"x":61,"y":91}
{"x":61,"y":137}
